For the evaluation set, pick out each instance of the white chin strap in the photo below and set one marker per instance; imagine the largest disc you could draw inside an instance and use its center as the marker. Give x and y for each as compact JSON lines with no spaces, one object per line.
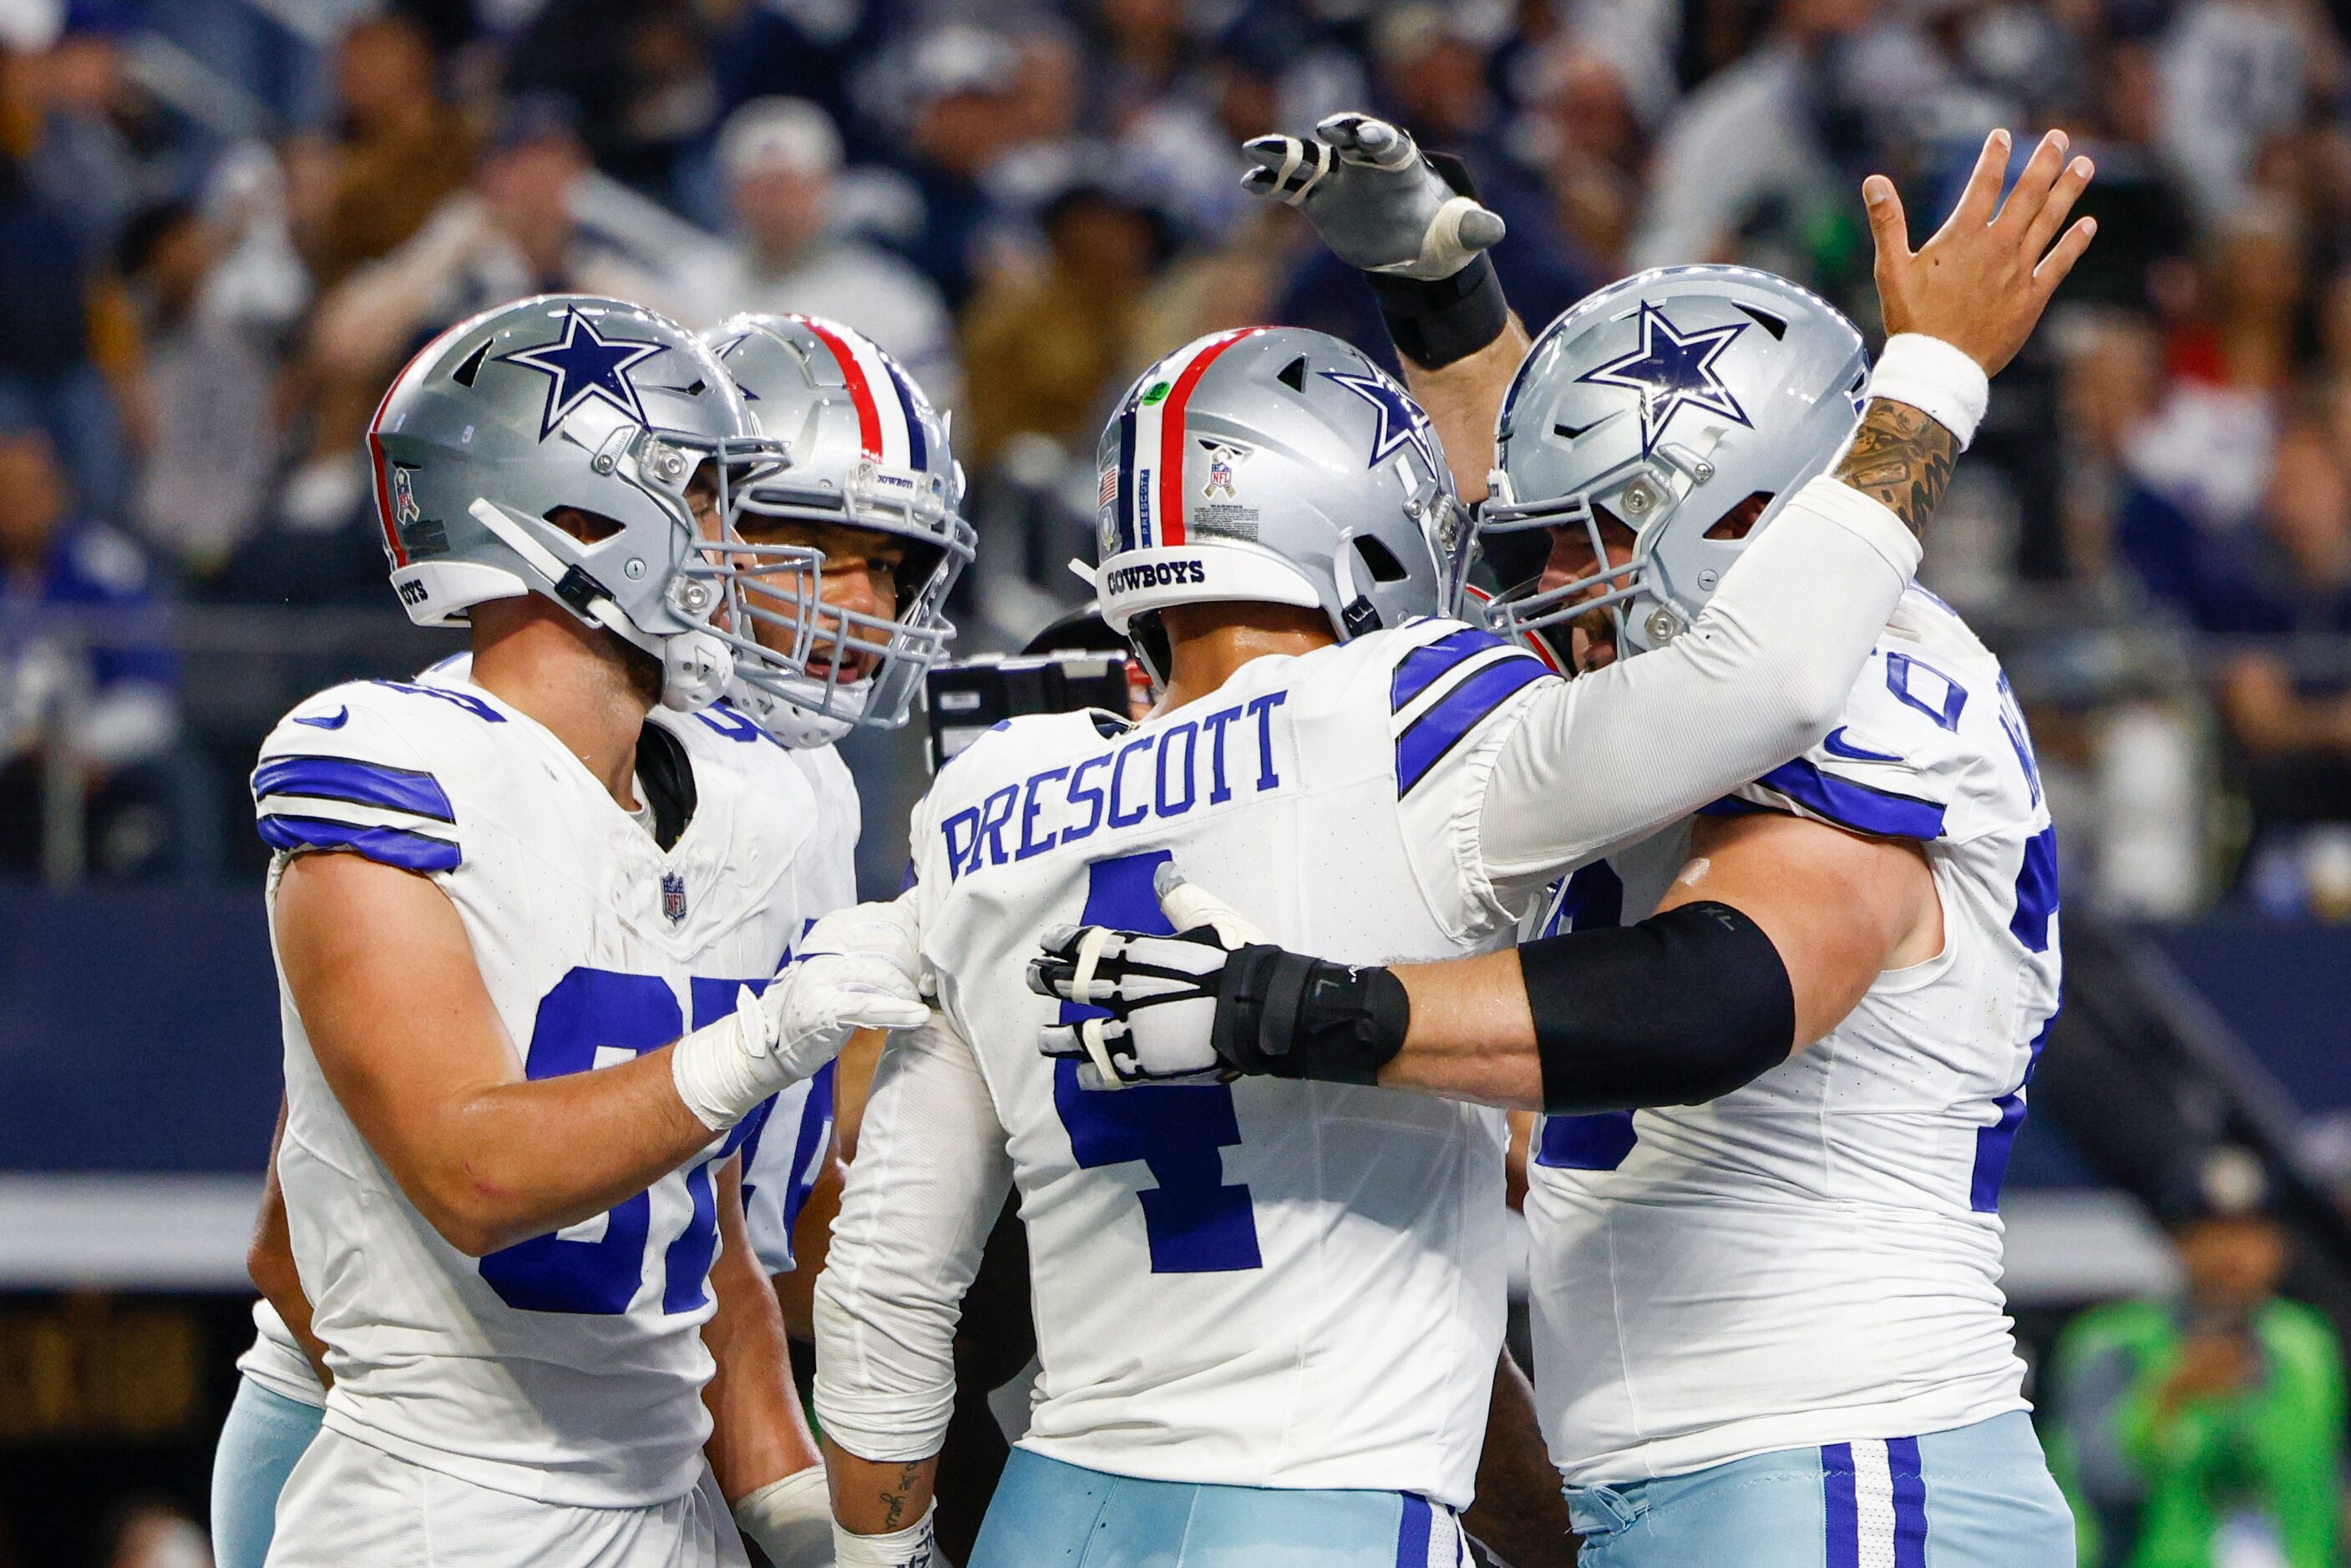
{"x":792,"y":720}
{"x":696,"y":665}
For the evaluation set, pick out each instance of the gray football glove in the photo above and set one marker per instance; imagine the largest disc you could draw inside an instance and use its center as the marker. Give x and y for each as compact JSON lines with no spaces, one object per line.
{"x":1378,"y":202}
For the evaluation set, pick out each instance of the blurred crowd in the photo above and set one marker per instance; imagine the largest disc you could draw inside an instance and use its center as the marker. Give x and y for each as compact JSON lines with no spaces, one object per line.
{"x":224,"y":223}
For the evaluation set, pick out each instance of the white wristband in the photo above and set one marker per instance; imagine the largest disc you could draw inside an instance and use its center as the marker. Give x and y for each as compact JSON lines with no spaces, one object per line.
{"x":1936,"y":379}
{"x":718,"y":1074}
{"x":907,"y":1547}
{"x":791,"y":1520}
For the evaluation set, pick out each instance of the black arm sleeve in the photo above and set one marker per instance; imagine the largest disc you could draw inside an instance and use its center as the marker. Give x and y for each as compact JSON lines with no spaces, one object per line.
{"x":1682,"y":1007}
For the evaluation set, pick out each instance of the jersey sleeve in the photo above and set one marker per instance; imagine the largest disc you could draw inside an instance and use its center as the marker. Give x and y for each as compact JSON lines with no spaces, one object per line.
{"x":342,"y":772}
{"x":1758,"y":677}
{"x":1907,"y":759}
{"x":930,"y":1176}
{"x":1449,"y":699}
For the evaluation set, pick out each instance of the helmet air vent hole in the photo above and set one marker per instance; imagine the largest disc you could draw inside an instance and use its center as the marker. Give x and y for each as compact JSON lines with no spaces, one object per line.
{"x":588,"y":527}
{"x":1293,"y":375}
{"x":1776,"y":326}
{"x":1739,"y":520}
{"x":464,"y":374}
{"x":1569,"y":433}
{"x":1379,"y":560}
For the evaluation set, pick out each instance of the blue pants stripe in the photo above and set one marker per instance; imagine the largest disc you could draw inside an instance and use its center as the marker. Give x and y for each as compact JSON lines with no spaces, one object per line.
{"x":1910,"y":1502}
{"x":1844,"y":1512}
{"x":1412,"y":1535}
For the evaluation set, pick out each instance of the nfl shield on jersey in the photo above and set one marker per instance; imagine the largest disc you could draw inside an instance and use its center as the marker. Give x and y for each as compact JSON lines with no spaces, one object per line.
{"x":1267,"y":1284}
{"x":1816,"y":1258}
{"x":566,"y":1367}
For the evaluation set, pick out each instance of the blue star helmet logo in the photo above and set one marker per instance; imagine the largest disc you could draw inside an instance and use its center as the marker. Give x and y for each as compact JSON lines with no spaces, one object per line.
{"x":1402,"y":424}
{"x":583,"y":364}
{"x":1673,"y":372}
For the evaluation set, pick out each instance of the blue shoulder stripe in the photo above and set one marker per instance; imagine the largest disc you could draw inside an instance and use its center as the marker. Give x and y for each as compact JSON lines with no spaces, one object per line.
{"x":389,"y":846}
{"x":1855,"y":806}
{"x":1441,"y":727}
{"x":359,"y":783}
{"x":1420,"y":669}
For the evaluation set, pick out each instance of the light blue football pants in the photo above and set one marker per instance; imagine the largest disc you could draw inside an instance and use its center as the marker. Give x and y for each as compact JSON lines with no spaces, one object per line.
{"x":1048,"y":1514}
{"x":1973,"y":1497}
{"x":265,"y":1434}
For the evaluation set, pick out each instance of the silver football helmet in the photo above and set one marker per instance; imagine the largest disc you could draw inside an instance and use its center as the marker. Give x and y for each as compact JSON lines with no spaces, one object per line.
{"x":1279,"y":465}
{"x":864,"y":450}
{"x":1681,"y":403}
{"x":566,"y":401}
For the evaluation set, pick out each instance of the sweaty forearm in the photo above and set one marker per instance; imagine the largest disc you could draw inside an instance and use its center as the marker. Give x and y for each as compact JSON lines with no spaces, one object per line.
{"x":875,"y":1497}
{"x":1902,"y":458}
{"x":1463,"y":400}
{"x":1470,"y":1035}
{"x":515,"y":1160}
{"x":758,"y":1435}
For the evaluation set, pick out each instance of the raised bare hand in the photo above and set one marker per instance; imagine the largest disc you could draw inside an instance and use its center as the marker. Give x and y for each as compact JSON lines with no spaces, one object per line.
{"x":1982,"y":281}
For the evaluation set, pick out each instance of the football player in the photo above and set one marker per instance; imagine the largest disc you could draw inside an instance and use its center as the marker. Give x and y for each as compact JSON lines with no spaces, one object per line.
{"x":1783,"y":1044}
{"x":817,"y":382}
{"x":1269,"y":1313}
{"x":489,"y":884}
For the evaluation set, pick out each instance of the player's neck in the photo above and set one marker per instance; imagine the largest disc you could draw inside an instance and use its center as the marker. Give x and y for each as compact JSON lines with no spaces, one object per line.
{"x":586,"y":686}
{"x":1207,"y":644}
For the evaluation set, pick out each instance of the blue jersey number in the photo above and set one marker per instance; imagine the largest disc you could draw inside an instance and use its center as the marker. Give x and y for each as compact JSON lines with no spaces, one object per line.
{"x":1196,"y":1222}
{"x":593,"y":1010}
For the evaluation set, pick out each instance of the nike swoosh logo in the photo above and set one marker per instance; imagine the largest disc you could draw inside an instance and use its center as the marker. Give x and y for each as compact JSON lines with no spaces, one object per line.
{"x":1836,"y":745}
{"x":340,"y":717}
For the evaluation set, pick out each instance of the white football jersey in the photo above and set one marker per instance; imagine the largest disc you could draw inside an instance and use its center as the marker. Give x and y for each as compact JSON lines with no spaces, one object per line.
{"x":1816,"y":1257}
{"x":791,"y":1137}
{"x":568,"y":1367}
{"x":275,"y":1359}
{"x":1267,"y":1284}
{"x":786,"y":1141}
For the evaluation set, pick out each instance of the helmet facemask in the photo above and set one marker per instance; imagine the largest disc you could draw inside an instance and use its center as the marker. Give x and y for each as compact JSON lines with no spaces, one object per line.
{"x":1653,"y":499}
{"x":841,"y":667}
{"x":1686,"y":405}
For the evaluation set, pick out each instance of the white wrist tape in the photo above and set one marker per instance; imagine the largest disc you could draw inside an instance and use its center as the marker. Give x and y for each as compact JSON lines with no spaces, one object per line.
{"x":719,"y":1074}
{"x":791,"y":1520}
{"x":907,"y":1547}
{"x":1936,"y":379}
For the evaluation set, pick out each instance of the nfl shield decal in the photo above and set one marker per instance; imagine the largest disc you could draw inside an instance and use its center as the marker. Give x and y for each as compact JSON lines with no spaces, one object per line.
{"x":672,"y":898}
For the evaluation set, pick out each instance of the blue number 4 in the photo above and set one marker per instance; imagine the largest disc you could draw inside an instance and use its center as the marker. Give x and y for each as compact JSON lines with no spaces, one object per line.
{"x":591,"y":1010}
{"x":1196,"y":1222}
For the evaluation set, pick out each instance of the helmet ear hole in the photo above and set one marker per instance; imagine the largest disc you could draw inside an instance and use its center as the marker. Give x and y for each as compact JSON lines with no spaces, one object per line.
{"x":588,"y":527}
{"x":1740,"y":520}
{"x":1379,"y":560}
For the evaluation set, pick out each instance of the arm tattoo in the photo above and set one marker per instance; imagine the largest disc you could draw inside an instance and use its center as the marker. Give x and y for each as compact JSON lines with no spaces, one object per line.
{"x":894,"y":1503}
{"x":1903,"y":458}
